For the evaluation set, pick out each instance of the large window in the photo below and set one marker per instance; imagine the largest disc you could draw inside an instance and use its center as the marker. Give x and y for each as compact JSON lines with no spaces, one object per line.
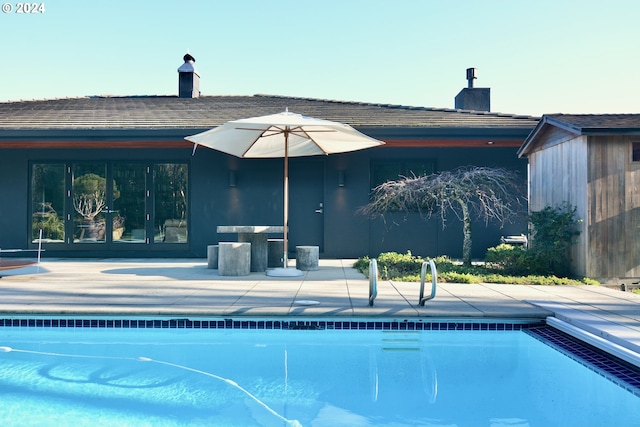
{"x":48,"y":202}
{"x":129,"y":203}
{"x":90,"y":205}
{"x":635,"y":151}
{"x":109,"y":203}
{"x":394,"y":169}
{"x":170,"y":203}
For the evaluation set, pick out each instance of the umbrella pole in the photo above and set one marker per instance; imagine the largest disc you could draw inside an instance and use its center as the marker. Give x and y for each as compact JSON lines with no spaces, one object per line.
{"x":285,"y":271}
{"x":285,"y":258}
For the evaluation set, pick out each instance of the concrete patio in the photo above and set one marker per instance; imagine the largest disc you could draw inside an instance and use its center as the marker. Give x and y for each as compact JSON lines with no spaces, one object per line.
{"x":185,"y":287}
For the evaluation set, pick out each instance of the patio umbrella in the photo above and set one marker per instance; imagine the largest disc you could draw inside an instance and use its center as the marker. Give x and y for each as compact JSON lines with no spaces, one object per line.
{"x":283,"y":135}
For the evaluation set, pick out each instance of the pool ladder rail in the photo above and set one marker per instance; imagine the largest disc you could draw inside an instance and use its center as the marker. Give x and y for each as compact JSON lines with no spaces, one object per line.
{"x":427,"y":265}
{"x":373,"y":281}
{"x":434,"y":281}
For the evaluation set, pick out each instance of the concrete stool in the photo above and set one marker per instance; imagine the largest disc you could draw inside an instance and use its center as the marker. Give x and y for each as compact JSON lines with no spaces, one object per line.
{"x":212,"y":256}
{"x":234,"y":258}
{"x":307,"y":257}
{"x":275,"y":253}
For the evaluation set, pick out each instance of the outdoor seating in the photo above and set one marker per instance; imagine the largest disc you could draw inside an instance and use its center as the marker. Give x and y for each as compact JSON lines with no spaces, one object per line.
{"x":212,"y":256}
{"x":307,"y":258}
{"x":234,"y":258}
{"x":256,"y":235}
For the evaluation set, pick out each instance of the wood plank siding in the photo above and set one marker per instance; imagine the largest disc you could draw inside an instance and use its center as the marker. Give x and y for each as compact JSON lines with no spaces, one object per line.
{"x":614,"y":208}
{"x":553,"y":136}
{"x":558,"y":174}
{"x":587,"y":160}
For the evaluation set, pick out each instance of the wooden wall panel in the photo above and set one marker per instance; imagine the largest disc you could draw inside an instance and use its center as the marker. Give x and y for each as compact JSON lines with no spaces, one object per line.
{"x":558,"y":174}
{"x":549,"y":136}
{"x":614,"y":224}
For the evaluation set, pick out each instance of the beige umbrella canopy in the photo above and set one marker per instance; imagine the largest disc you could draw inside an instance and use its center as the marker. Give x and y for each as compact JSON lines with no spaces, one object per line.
{"x":283,"y":135}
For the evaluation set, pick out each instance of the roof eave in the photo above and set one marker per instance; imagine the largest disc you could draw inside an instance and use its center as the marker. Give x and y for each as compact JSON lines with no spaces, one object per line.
{"x":610,"y":131}
{"x":172,"y":133}
{"x":98,"y":134}
{"x":382,"y":132}
{"x":529,"y":140}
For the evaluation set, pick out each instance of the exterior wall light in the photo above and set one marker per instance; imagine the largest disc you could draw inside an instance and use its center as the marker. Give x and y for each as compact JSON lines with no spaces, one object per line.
{"x":340,"y":178}
{"x":232,"y":178}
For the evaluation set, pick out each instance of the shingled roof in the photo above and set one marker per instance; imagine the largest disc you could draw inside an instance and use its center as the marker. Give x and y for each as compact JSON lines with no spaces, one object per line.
{"x":170,"y":112}
{"x":581,"y":124}
{"x":596,"y":123}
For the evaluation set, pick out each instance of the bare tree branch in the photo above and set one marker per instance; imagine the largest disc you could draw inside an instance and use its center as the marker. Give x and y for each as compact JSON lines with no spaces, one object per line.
{"x":492,"y":194}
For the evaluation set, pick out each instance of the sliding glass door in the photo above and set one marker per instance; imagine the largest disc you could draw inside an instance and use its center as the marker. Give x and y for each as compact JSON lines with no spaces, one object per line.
{"x":109,"y":205}
{"x":129,"y":195}
{"x":48,"y":198}
{"x":89,"y":198}
{"x":170,"y":203}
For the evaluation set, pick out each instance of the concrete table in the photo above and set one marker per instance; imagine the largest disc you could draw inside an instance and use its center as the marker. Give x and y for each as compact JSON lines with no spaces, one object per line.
{"x":257,"y":235}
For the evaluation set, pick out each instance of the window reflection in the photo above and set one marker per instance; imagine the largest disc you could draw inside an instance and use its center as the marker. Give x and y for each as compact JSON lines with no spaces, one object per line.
{"x":170,"y":202}
{"x":107,"y":202}
{"x":89,"y":198}
{"x":129,"y":207}
{"x":47,"y":202}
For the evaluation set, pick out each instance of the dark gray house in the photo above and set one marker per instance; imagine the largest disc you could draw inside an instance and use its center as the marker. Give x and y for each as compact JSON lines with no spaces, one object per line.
{"x":114,"y":177}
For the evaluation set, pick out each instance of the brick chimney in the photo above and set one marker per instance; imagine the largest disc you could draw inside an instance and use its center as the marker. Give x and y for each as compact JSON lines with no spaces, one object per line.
{"x":188,"y":79}
{"x":473,"y":98}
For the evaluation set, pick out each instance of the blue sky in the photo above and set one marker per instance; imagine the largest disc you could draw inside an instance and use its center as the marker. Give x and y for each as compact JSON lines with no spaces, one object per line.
{"x":538,"y":56}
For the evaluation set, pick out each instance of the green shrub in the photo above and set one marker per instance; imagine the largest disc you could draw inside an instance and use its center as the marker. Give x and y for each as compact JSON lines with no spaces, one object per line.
{"x":393,"y":265}
{"x":445,"y":264}
{"x":455,"y":277}
{"x":554,"y":231}
{"x":508,"y":258}
{"x":406,"y":268}
{"x":362,"y":265}
{"x":415,"y":278}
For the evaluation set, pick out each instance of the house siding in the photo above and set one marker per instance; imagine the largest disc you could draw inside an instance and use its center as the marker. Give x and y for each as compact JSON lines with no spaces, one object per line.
{"x":614,"y":208}
{"x":558,"y":174}
{"x":257,"y":200}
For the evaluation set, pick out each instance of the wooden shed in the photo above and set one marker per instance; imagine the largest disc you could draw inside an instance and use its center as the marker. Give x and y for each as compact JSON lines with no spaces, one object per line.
{"x":593,"y":163}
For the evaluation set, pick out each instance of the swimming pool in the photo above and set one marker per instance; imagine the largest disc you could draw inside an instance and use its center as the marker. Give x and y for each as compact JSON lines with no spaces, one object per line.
{"x":181,"y":372}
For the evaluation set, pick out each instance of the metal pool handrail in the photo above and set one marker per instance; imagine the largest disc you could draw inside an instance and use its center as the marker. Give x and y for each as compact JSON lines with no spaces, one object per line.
{"x":373,"y":281}
{"x":434,"y":280}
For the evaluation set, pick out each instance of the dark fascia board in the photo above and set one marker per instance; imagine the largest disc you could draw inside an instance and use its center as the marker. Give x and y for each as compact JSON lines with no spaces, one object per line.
{"x":443,"y":133}
{"x":173,"y":134}
{"x":524,"y":149}
{"x":592,"y":131}
{"x":563,"y":125}
{"x":610,"y":131}
{"x":97,"y":134}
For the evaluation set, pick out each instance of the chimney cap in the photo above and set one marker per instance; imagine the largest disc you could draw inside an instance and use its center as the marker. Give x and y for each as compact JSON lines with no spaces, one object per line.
{"x":188,"y":66}
{"x":188,"y":79}
{"x":471,"y":76}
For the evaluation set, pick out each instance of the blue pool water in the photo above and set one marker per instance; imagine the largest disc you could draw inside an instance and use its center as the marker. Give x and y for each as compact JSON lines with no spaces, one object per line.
{"x":231,"y":377}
